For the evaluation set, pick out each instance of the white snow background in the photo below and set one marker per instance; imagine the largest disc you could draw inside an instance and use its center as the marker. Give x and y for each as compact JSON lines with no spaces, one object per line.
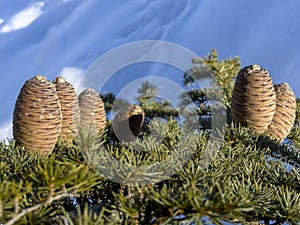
{"x":63,"y":37}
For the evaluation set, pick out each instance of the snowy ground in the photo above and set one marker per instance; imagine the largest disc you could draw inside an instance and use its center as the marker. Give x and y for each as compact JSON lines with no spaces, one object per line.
{"x":64,"y":37}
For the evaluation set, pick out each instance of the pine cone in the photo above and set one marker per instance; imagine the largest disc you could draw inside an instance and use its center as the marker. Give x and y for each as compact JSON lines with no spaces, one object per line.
{"x":285,"y":113}
{"x":253,"y":98}
{"x":127,"y":123}
{"x":92,"y":110}
{"x":37,"y":116}
{"x":69,"y":108}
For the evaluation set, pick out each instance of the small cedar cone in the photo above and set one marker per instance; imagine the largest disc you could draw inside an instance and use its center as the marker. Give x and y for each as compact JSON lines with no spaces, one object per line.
{"x":92,"y":112}
{"x":127,"y":123}
{"x":69,"y":108}
{"x":37,"y":116}
{"x":285,"y":113}
{"x":253,"y":101}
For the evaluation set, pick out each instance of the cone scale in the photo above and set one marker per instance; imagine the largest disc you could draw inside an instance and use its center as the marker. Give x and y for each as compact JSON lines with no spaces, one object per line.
{"x":253,"y":101}
{"x":285,"y":113}
{"x":69,"y":108}
{"x":127,"y":123}
{"x":92,"y":112}
{"x":37,"y":116}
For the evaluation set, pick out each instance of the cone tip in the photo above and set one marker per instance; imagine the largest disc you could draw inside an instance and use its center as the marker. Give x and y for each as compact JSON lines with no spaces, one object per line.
{"x":59,"y":80}
{"x":136,"y":109}
{"x":284,"y":84}
{"x":39,"y":78}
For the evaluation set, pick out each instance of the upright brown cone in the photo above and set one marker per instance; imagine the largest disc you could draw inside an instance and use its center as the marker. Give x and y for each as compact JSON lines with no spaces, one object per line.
{"x":127,"y":123}
{"x":37,"y":116}
{"x":69,"y":108}
{"x":285,"y":114}
{"x":92,"y":112}
{"x":253,"y":98}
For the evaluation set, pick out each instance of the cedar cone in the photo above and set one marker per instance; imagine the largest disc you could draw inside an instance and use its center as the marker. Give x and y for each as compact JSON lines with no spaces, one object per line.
{"x":69,"y":108}
{"x":37,"y":116}
{"x":285,"y":113}
{"x":253,"y":101}
{"x":92,"y":112}
{"x":127,"y":123}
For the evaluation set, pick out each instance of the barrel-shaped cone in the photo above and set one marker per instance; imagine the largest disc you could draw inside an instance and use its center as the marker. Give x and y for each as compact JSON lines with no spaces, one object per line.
{"x":253,"y":100}
{"x":37,"y":116}
{"x":127,"y":123}
{"x":285,"y":113}
{"x":69,"y":108}
{"x":92,"y":111}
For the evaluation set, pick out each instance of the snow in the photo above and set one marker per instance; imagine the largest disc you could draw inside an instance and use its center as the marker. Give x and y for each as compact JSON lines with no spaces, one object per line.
{"x":6,"y":131}
{"x":64,"y":37}
{"x":23,"y":18}
{"x":73,"y":75}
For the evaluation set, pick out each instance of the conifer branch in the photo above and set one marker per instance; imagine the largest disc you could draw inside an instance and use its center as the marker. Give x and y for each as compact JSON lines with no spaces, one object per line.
{"x":48,"y":201}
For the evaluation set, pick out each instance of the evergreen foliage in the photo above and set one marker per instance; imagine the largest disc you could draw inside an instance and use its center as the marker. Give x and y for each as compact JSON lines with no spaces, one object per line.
{"x":251,"y":180}
{"x":153,"y":106}
{"x":220,"y":75}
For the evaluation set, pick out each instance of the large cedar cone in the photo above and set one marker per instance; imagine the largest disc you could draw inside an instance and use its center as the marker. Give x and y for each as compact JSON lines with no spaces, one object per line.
{"x":285,"y":114}
{"x":69,"y":108}
{"x":253,"y":101}
{"x":92,"y":112}
{"x":37,"y":116}
{"x":127,"y":123}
